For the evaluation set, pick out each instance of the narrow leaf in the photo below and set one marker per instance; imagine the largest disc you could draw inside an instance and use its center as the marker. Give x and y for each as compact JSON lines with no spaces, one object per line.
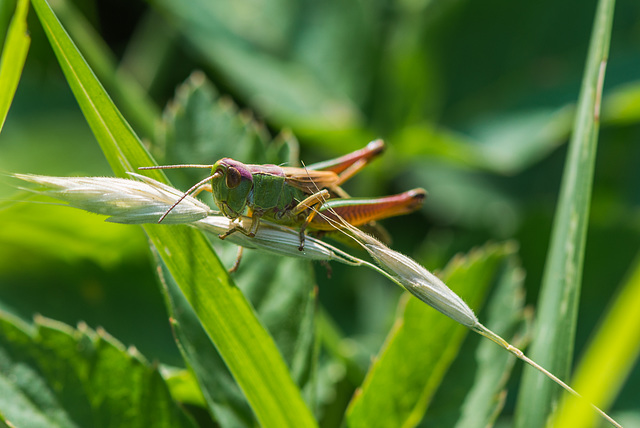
{"x":609,"y":358}
{"x":135,"y":103}
{"x":14,"y":55}
{"x":552,"y":345}
{"x":228,"y":319}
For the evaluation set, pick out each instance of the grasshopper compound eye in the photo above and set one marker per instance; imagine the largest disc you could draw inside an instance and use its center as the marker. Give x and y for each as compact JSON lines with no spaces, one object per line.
{"x":233,"y":178}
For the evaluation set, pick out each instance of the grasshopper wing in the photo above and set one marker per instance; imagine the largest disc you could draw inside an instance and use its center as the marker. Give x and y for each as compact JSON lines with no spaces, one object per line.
{"x":310,"y":181}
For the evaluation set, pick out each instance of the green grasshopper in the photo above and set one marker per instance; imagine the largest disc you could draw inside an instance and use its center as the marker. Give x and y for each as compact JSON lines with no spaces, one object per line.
{"x":292,"y":196}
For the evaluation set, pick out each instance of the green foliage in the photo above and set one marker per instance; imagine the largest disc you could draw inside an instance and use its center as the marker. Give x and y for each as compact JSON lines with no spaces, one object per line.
{"x":475,"y":102}
{"x":408,"y":369}
{"x":54,"y":375}
{"x":556,"y":325}
{"x":223,"y":311}
{"x":13,"y":57}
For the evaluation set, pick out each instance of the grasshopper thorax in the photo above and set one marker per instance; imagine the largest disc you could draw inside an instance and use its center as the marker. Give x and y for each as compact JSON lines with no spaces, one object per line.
{"x":231,"y":185}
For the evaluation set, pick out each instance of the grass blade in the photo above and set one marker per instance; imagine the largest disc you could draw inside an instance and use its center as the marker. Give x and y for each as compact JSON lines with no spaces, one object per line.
{"x":135,"y":103}
{"x":225,"y":314}
{"x":609,"y":358}
{"x":552,"y":345}
{"x":14,"y":55}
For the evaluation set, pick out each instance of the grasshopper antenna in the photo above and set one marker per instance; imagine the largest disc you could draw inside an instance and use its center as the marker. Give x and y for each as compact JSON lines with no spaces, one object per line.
{"x":185,"y":194}
{"x":188,"y":165}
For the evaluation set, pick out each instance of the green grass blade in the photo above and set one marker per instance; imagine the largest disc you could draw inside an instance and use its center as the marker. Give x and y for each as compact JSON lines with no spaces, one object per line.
{"x":552,"y":345}
{"x":135,"y":103}
{"x":222,"y":396}
{"x":228,"y":319}
{"x":609,"y":358}
{"x":14,"y":55}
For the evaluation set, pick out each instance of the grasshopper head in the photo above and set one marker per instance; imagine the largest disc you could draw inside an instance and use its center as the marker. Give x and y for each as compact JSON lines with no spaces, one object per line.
{"x":231,"y":184}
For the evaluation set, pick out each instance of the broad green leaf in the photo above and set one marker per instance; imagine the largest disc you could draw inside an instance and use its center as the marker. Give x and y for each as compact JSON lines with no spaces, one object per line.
{"x":53,"y":375}
{"x":421,"y":347}
{"x":14,"y":54}
{"x":197,"y":128}
{"x":223,"y":311}
{"x":609,"y":358}
{"x":553,"y":340}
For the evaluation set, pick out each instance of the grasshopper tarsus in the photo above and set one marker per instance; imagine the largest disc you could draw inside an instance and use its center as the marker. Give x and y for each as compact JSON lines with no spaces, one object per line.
{"x":302,"y":237}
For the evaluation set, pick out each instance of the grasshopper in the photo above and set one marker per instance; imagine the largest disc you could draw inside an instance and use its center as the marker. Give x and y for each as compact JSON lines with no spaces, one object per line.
{"x":292,"y":196}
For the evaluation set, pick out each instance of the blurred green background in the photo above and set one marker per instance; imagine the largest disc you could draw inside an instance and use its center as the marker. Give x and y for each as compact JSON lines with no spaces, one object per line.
{"x":474,"y":100}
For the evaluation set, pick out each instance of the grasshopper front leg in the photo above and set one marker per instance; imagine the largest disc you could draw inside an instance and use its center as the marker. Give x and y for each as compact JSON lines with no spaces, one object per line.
{"x":255,"y":223}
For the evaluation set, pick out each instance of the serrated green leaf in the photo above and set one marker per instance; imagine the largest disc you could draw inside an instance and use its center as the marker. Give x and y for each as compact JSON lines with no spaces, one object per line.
{"x":14,"y":54}
{"x":421,"y":347}
{"x":201,"y":127}
{"x":553,"y":340}
{"x":53,"y":375}
{"x":228,"y":319}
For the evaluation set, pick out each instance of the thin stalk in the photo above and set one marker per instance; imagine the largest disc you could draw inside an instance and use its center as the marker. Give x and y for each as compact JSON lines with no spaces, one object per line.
{"x":413,"y":277}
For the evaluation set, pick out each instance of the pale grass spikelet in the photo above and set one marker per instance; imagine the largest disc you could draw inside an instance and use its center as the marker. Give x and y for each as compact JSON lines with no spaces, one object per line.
{"x":123,"y":200}
{"x":419,"y":281}
{"x":276,"y":239}
{"x":145,"y":200}
{"x":416,"y":279}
